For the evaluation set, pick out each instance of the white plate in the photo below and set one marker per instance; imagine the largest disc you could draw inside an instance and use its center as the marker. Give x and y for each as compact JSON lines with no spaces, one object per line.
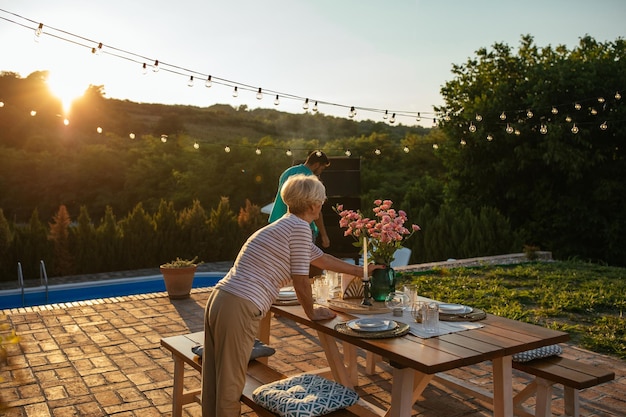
{"x":287,"y":293}
{"x":454,"y":309}
{"x":371,"y":325}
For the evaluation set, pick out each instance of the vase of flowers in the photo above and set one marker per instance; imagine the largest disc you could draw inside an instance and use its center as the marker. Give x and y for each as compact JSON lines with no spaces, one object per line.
{"x":379,"y":237}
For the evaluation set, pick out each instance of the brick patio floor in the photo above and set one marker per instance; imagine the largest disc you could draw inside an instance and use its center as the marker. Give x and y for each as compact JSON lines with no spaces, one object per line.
{"x":103,"y":358}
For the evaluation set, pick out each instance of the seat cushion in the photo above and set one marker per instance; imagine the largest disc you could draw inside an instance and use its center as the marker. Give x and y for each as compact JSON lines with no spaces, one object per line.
{"x":542,"y":352}
{"x":304,"y":395}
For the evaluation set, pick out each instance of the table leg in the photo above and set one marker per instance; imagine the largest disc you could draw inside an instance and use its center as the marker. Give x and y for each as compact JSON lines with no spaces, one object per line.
{"x":402,"y":388}
{"x":335,"y":361}
{"x":177,"y":389}
{"x":503,"y":387}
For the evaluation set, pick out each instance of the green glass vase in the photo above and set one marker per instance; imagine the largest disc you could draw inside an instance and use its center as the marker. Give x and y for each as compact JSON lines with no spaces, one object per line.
{"x":382,"y":283}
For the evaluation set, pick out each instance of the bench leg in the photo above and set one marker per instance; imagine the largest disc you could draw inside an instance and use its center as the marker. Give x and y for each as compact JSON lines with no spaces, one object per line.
{"x":571,"y":402}
{"x":543,"y":402}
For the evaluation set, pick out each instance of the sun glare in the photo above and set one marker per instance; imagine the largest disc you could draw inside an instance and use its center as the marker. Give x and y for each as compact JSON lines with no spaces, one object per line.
{"x":67,"y":88}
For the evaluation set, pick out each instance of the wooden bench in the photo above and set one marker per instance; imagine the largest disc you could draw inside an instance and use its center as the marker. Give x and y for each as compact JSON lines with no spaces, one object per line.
{"x":573,"y":375}
{"x":258,"y":374}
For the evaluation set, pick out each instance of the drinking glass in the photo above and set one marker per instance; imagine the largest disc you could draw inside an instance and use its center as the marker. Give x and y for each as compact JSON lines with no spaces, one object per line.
{"x":430,"y":317}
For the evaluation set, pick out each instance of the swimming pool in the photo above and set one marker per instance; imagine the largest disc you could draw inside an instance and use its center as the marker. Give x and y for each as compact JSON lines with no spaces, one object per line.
{"x":81,"y":291}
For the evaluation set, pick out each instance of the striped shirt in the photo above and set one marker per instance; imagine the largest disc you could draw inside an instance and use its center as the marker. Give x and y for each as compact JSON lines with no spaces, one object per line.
{"x":268,"y":259}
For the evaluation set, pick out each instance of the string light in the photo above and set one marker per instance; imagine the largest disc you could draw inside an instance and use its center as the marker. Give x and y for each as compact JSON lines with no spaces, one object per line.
{"x":509,"y":129}
{"x":258,"y":151}
{"x":435,"y":146}
{"x":97,"y":50}
{"x":419,"y":117}
{"x":577,"y":106}
{"x":568,"y":119}
{"x":196,"y":145}
{"x":227,"y":149}
{"x":348,"y":153}
{"x":318,"y":153}
{"x":386,"y":115}
{"x":144,"y":68}
{"x":289,"y":153}
{"x":393,"y":119}
{"x":276,"y":100}
{"x":305,"y":106}
{"x":377,"y":151}
{"x":618,"y":96}
{"x":405,"y":149}
{"x":235,"y":92}
{"x":66,"y":122}
{"x":472,"y":128}
{"x":155,"y":66}
{"x":489,"y":137}
{"x":543,"y":129}
{"x":462,"y":142}
{"x":593,"y":112}
{"x":259,"y":94}
{"x":190,"y":83}
{"x":314,"y":109}
{"x":575,"y":129}
{"x":38,"y":32}
{"x":503,"y":116}
{"x":131,"y":135}
{"x":479,"y":118}
{"x":208,"y":83}
{"x":99,"y":129}
{"x":554,"y":110}
{"x":164,"y":138}
{"x":529,"y":114}
{"x":601,"y":100}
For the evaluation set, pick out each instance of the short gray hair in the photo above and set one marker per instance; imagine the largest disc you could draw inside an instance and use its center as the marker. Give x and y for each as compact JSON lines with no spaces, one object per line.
{"x":301,"y":191}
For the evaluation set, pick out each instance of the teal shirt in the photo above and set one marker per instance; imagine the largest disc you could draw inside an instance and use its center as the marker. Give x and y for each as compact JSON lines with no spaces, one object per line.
{"x":280,"y":208}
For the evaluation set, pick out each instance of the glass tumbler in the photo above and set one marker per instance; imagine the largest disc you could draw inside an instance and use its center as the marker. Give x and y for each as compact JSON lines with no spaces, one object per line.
{"x":430,"y":317}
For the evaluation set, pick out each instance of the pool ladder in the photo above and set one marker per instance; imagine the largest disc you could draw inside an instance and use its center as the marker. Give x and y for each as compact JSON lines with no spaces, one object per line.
{"x":43,"y":278}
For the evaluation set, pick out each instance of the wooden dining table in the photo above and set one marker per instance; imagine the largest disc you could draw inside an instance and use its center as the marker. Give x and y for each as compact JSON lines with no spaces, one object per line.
{"x":415,"y":361}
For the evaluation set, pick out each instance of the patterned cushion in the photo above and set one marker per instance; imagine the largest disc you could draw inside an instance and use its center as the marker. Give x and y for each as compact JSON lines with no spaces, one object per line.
{"x":304,"y":395}
{"x":542,"y":352}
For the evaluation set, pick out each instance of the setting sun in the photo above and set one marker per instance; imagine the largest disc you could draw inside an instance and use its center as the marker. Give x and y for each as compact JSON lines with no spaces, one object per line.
{"x":67,"y":87}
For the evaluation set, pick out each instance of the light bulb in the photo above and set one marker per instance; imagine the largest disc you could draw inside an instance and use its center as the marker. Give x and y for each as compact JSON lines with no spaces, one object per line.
{"x":99,"y":129}
{"x":419,"y":117}
{"x":446,"y":117}
{"x":352,"y":112}
{"x":235,"y":92}
{"x":594,"y":112}
{"x":406,"y":149}
{"x":517,"y":132}
{"x":259,"y":94}
{"x":289,"y":153}
{"x":33,"y":113}
{"x":348,"y":153}
{"x":577,"y":106}
{"x":196,"y":145}
{"x":277,"y":100}
{"x":208,"y":83}
{"x":305,"y":106}
{"x":529,"y":114}
{"x":472,"y":128}
{"x":489,"y":137}
{"x":462,"y":142}
{"x":377,"y":151}
{"x":568,"y":119}
{"x":144,"y":68}
{"x":618,"y":96}
{"x":509,"y":129}
{"x":66,"y":122}
{"x":543,"y":129}
{"x":163,"y":138}
{"x":575,"y":129}
{"x":555,"y":110}
{"x":434,"y":121}
{"x":503,"y":116}
{"x":435,"y":146}
{"x":318,"y":153}
{"x":604,"y":126}
{"x":601,"y":100}
{"x":1,"y":104}
{"x":393,"y":118}
{"x":155,"y":66}
{"x":38,"y":32}
{"x":190,"y":82}
{"x":227,"y":149}
{"x":479,"y":118}
{"x":97,"y":50}
{"x":131,"y":135}
{"x":386,"y":115}
{"x":258,"y":151}
{"x":314,"y":109}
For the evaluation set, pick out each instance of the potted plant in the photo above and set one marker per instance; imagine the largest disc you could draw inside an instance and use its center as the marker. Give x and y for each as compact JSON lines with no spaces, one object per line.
{"x":178,"y":276}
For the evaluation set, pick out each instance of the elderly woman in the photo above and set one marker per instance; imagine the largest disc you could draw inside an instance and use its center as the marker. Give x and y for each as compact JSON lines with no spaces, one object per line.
{"x":272,"y":258}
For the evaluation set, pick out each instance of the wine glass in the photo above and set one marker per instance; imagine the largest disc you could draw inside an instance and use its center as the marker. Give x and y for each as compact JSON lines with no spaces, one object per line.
{"x":397,"y":302}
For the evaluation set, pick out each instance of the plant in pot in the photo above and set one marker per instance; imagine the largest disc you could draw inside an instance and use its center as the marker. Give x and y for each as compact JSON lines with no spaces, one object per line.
{"x":178,"y":276}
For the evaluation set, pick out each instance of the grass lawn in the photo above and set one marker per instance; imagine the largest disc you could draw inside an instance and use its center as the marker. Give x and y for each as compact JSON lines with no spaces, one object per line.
{"x":586,"y":300}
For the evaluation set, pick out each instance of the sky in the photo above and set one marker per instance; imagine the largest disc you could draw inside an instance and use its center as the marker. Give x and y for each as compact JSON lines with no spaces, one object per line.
{"x":375,"y":55}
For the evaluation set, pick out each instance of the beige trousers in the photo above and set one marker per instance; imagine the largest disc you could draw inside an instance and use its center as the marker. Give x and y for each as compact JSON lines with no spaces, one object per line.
{"x":230,"y":325}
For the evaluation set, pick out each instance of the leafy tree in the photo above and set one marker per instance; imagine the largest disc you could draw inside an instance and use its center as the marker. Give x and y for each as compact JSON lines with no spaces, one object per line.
{"x":167,"y":236}
{"x":62,"y":264}
{"x":194,"y":229}
{"x":83,"y":243}
{"x":138,"y":239}
{"x":109,"y":242}
{"x":224,"y":231}
{"x":538,"y":135}
{"x":250,"y":220}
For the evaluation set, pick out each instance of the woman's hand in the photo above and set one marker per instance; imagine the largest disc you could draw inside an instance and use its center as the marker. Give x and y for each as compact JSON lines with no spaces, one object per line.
{"x":322,"y":313}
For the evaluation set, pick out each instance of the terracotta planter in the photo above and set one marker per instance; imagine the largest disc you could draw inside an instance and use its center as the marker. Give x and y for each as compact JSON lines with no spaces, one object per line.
{"x":178,"y":281}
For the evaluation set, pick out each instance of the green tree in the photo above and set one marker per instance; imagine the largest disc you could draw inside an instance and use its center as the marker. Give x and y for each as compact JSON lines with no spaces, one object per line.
{"x":109,"y":240}
{"x":138,"y":239}
{"x":537,"y":135}
{"x":83,"y":243}
{"x":194,"y":229}
{"x":224,"y":231}
{"x":63,"y":263}
{"x":167,"y":232}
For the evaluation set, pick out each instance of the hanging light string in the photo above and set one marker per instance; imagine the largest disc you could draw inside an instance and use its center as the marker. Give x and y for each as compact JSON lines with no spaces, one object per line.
{"x":157,"y":65}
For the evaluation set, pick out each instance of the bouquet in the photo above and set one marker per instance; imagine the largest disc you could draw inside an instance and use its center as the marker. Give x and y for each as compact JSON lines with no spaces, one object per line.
{"x":385,"y":232}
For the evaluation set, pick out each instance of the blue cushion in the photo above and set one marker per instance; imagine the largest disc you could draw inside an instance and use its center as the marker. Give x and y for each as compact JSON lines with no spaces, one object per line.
{"x":304,"y":395}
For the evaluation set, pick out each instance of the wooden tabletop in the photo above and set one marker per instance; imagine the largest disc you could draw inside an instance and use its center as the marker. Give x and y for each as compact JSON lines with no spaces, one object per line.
{"x":498,"y":338}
